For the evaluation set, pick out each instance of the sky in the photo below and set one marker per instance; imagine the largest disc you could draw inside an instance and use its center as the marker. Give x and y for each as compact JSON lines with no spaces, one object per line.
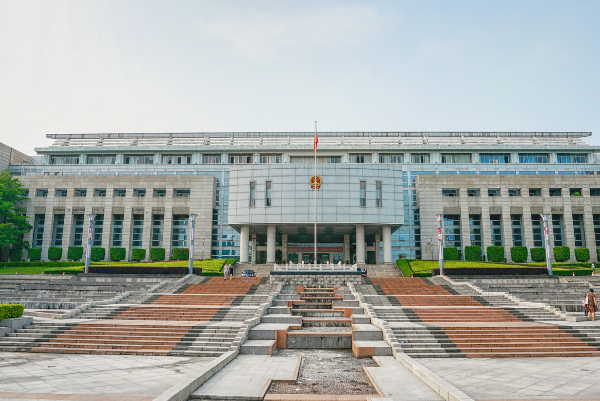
{"x":191,"y":66}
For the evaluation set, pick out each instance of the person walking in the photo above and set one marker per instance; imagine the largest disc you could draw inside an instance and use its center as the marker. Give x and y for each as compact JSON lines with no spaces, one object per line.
{"x":592,"y":304}
{"x":225,"y":272}
{"x":593,"y":268}
{"x":230,"y":271}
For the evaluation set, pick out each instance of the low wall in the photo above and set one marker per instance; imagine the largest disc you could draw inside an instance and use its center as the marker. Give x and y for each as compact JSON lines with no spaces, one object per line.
{"x":315,"y":279}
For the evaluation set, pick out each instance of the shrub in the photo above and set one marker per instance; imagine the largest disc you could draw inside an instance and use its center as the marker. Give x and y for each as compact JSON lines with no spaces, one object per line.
{"x":54,"y":253}
{"x":562,"y":253}
{"x":117,"y":254}
{"x":451,"y":253}
{"x":157,"y":254}
{"x":473,"y":253}
{"x":231,"y":261}
{"x":9,"y":311}
{"x":67,"y":270}
{"x":404,"y":267}
{"x":138,"y":254}
{"x":181,"y":254}
{"x":495,"y":253}
{"x":582,"y":254}
{"x":34,"y":254}
{"x":97,"y":254}
{"x":75,"y":252}
{"x":538,"y":254}
{"x":518,"y":254}
{"x":212,"y":265}
{"x":16,"y":254}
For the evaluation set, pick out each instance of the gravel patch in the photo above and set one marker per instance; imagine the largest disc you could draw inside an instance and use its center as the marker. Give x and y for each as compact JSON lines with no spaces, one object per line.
{"x":326,"y":372}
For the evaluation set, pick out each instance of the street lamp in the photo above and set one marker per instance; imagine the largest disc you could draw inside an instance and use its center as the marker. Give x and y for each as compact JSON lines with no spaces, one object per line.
{"x":546,"y":218}
{"x":88,"y":254}
{"x":440,"y":220}
{"x":191,"y":267}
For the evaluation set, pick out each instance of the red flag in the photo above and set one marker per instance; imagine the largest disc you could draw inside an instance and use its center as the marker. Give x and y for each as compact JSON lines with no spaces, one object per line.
{"x":316,"y":142}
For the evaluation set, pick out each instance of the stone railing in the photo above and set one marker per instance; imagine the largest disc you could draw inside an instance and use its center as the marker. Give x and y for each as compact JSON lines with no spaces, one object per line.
{"x":308,"y":267}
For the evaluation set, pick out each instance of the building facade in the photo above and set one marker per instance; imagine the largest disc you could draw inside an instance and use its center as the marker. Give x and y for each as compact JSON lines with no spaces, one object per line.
{"x":252,"y":194}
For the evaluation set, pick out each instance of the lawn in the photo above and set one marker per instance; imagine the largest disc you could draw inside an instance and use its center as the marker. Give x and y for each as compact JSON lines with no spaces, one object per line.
{"x":424,"y":267}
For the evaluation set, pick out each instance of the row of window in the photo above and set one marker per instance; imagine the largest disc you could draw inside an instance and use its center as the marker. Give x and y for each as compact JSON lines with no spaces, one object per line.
{"x":117,"y":192}
{"x":455,"y":192}
{"x":246,"y":158}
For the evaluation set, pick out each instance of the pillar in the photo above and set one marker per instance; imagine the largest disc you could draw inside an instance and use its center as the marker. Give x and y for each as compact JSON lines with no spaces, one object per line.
{"x":254,"y":249}
{"x":346,"y":248}
{"x":377,"y":248}
{"x":271,"y":233}
{"x":244,"y":239}
{"x":590,"y":235}
{"x":360,"y":244}
{"x":507,"y":239}
{"x":387,"y":244}
{"x":168,"y":232}
{"x":147,"y":233}
{"x":284,"y":248}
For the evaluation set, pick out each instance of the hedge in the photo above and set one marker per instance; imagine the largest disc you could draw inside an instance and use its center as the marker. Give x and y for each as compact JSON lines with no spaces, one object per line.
{"x":582,"y":254}
{"x":97,"y":254}
{"x":75,"y":253}
{"x":180,"y":254}
{"x":8,"y":311}
{"x":404,"y":267}
{"x":16,"y":254}
{"x":67,"y":270}
{"x":54,"y":253}
{"x":562,"y":253}
{"x":495,"y":254}
{"x":538,"y":254}
{"x":41,"y":264}
{"x":493,"y":271}
{"x":117,"y":254}
{"x":451,"y":253}
{"x":213,"y":265}
{"x":473,"y":253}
{"x":157,"y":254}
{"x":138,"y":254}
{"x":518,"y":254}
{"x":34,"y":254}
{"x":138,"y":268}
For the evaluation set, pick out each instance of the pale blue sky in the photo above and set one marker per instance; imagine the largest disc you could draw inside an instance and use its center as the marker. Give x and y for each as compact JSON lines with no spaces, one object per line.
{"x":179,"y":66}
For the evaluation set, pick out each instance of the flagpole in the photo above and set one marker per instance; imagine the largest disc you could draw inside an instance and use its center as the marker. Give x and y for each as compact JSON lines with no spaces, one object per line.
{"x":315,"y":259}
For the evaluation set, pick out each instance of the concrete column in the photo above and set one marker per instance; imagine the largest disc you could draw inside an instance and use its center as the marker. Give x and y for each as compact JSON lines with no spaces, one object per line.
{"x":47,"y":237}
{"x":360,"y":244}
{"x":284,"y":248}
{"x":147,"y":233}
{"x":486,"y":229}
{"x":346,"y":248}
{"x":465,"y":228}
{"x":253,"y":249}
{"x":590,"y":235}
{"x":527,"y":228}
{"x":244,"y":239}
{"x":271,"y":234}
{"x":168,"y":231}
{"x":569,"y":231}
{"x":387,"y":244}
{"x":506,"y":232}
{"x":127,"y":229}
{"x":377,"y":248}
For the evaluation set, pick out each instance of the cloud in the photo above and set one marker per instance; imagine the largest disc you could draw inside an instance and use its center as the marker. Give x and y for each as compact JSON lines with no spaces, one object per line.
{"x":272,"y":34}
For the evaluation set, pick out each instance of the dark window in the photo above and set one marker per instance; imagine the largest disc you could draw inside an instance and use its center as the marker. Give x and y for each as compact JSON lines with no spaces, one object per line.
{"x":159,"y":192}
{"x":99,"y":192}
{"x":535,"y":192}
{"x":514,"y":191}
{"x":452,"y":192}
{"x":181,"y":193}
{"x":555,"y":191}
{"x":41,"y":193}
{"x":61,"y":193}
{"x":493,"y":191}
{"x":363,"y":193}
{"x":473,"y":192}
{"x":575,"y":191}
{"x":139,"y":192}
{"x":81,"y":192}
{"x":119,"y":193}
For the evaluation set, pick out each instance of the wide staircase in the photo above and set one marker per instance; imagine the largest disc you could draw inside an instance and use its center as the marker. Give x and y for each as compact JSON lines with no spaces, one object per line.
{"x":431,"y":318}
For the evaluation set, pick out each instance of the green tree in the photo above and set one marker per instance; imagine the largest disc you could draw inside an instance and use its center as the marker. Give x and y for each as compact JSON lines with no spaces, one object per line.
{"x":13,"y":222}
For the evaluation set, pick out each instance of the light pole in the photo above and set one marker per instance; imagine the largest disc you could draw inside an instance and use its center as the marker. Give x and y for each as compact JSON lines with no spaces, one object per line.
{"x":191,"y":268}
{"x":440,"y":219}
{"x":545,"y":218}
{"x":88,"y":254}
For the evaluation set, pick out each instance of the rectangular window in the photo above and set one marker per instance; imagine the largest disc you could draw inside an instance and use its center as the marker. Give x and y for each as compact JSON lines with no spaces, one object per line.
{"x":41,"y":193}
{"x":473,"y":192}
{"x":516,"y":223}
{"x":214,"y":158}
{"x":535,"y":191}
{"x":571,"y":157}
{"x":177,"y":159}
{"x":360,"y":157}
{"x":578,"y":230}
{"x":457,"y":158}
{"x":98,"y":230}
{"x":158,"y":225}
{"x":391,"y":158}
{"x":99,"y":192}
{"x":101,"y":159}
{"x":596,"y":218}
{"x":514,"y":191}
{"x":60,"y":193}
{"x":159,"y":192}
{"x":139,"y":192}
{"x":558,"y":229}
{"x":181,"y":192}
{"x":451,"y":192}
{"x":119,"y":192}
{"x":80,"y":192}
{"x":475,"y":229}
{"x":534,"y":158}
{"x":320,"y":159}
{"x":77,"y":238}
{"x":378,"y":194}
{"x":494,"y":158}
{"x":452,"y":230}
{"x":496,"y":229}
{"x":594,"y":191}
{"x":117,"y":232}
{"x":38,"y":230}
{"x":241,"y":158}
{"x":252,"y":194}
{"x":493,"y":191}
{"x":268,"y":194}
{"x":363,"y":194}
{"x":537,"y":228}
{"x":137,"y":231}
{"x":180,"y":231}
{"x":57,"y":229}
{"x":419,"y":158}
{"x":574,"y":191}
{"x":270,"y":158}
{"x":138,"y":159}
{"x":555,"y":191}
{"x":64,"y":159}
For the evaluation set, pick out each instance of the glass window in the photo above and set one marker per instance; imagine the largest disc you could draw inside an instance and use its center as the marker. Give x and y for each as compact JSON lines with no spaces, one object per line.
{"x":268,"y":194}
{"x":177,"y":159}
{"x":496,"y":228}
{"x":360,"y":157}
{"x":117,"y":234}
{"x":80,"y":192}
{"x":419,"y":158}
{"x":98,"y":230}
{"x":266,"y":158}
{"x":159,"y":192}
{"x":537,"y":227}
{"x":558,"y":229}
{"x":596,"y":219}
{"x":494,"y":158}
{"x":452,"y":230}
{"x":138,"y":159}
{"x":119,"y":192}
{"x":252,"y":194}
{"x":391,"y":158}
{"x":57,"y":229}
{"x":574,"y":191}
{"x":456,"y":158}
{"x":137,"y":231}
{"x":578,"y":230}
{"x":378,"y":193}
{"x":475,"y":229}
{"x":99,"y":192}
{"x":38,"y":230}
{"x":240,"y":158}
{"x":516,"y":222}
{"x":101,"y":159}
{"x":514,"y":191}
{"x":320,"y":159}
{"x":139,"y":192}
{"x":571,"y":157}
{"x":594,"y":191}
{"x":473,"y":192}
{"x":211,"y":158}
{"x":535,"y":191}
{"x":493,"y":191}
{"x":363,"y":193}
{"x":181,"y":192}
{"x":158,"y":225}
{"x":77,"y":238}
{"x":60,"y":193}
{"x":555,"y":191}
{"x":41,"y":193}
{"x":64,"y":159}
{"x":534,"y":158}
{"x":180,"y":231}
{"x":450,"y":191}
